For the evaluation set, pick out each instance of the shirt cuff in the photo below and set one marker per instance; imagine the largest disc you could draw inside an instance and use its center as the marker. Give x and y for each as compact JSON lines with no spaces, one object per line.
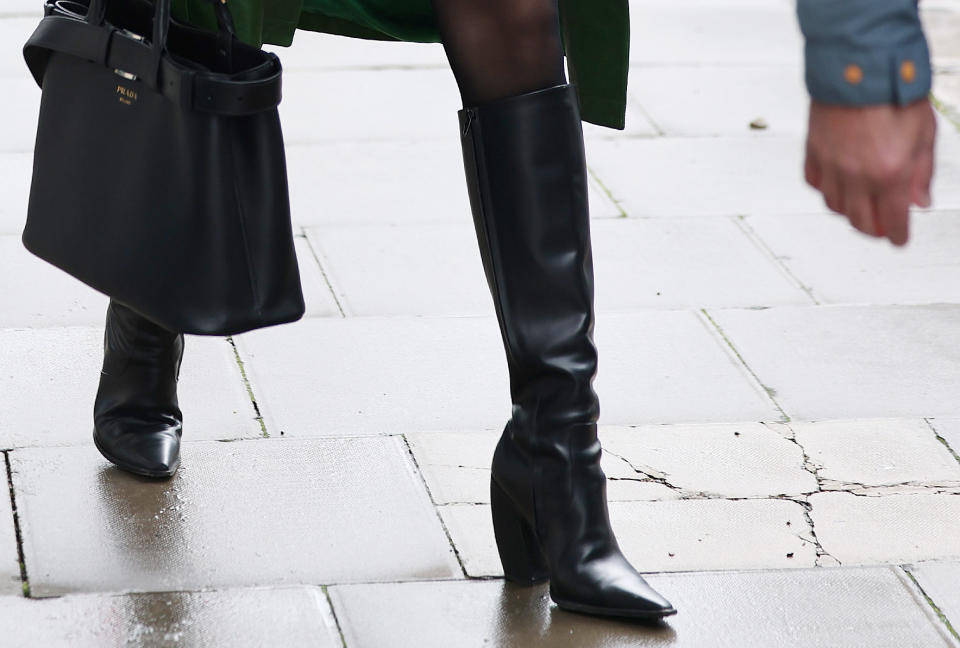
{"x":845,"y":75}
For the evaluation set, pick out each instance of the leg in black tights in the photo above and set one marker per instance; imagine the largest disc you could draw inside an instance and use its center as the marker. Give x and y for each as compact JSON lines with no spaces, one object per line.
{"x":501,"y":48}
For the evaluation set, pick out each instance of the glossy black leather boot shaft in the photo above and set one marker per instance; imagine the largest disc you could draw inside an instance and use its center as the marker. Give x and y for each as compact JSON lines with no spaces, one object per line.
{"x":137,"y":418}
{"x":527,"y":179}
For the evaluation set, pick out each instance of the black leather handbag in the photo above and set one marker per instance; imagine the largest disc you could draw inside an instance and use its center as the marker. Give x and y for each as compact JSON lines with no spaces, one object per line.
{"x":159,"y":173}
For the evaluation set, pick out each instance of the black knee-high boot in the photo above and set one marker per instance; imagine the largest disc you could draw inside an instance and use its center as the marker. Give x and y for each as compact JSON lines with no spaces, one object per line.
{"x":137,"y":419}
{"x":526,"y":175}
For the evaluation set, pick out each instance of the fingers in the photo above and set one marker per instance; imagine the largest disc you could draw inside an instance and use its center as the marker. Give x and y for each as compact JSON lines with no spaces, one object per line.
{"x":811,"y":169}
{"x":832,"y":190}
{"x":893,"y":212}
{"x":922,"y":177}
{"x":861,"y":209}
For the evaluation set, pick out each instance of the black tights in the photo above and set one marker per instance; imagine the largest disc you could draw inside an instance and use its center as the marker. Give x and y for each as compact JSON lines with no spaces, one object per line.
{"x":501,"y":48}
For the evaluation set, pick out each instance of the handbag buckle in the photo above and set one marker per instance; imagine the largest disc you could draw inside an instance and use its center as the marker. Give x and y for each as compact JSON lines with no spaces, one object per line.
{"x":126,"y":33}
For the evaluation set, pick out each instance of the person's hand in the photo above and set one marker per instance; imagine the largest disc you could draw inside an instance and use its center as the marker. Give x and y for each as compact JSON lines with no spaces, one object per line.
{"x":872,"y":162}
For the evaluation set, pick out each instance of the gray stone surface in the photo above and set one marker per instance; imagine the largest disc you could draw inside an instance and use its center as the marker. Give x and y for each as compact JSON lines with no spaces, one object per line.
{"x":317,"y":296}
{"x":679,"y":535}
{"x":50,"y":297}
{"x":650,"y":263}
{"x":389,"y":182}
{"x":240,"y":618}
{"x":948,"y":429}
{"x":18,"y":128}
{"x":748,"y":32}
{"x":816,"y":608}
{"x":722,"y":100}
{"x":412,"y":374}
{"x":734,"y":460}
{"x":264,"y":512}
{"x":9,"y":560}
{"x":853,"y":361}
{"x":456,"y":468}
{"x":841,"y":265}
{"x":49,"y":378}
{"x":705,"y":177}
{"x":318,"y":51}
{"x":684,"y":263}
{"x":15,"y":174}
{"x":19,"y":8}
{"x":877,"y":452}
{"x":889,"y":529}
{"x":939,"y":582}
{"x":392,"y":269}
{"x":326,"y":105}
{"x":13,"y":34}
{"x":380,"y":182}
{"x":733,"y":175}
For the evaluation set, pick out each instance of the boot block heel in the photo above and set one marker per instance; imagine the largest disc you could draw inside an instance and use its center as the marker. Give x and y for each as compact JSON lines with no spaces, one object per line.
{"x":520,"y":554}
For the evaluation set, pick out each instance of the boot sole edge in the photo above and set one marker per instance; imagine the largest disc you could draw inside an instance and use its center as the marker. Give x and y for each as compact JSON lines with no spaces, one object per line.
{"x":615,"y":612}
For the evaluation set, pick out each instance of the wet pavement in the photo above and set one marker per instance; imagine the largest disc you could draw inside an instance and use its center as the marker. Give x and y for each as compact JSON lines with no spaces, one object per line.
{"x":779,"y":393}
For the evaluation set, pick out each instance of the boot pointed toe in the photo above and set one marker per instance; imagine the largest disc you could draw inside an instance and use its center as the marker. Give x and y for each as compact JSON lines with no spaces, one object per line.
{"x":623,"y":593}
{"x":148,"y":452}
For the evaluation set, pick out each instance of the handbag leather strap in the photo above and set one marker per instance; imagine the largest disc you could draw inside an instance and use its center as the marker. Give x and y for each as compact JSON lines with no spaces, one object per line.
{"x":119,"y":50}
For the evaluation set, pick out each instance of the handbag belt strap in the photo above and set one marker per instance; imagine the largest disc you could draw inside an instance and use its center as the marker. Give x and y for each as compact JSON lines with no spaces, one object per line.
{"x":125,"y":52}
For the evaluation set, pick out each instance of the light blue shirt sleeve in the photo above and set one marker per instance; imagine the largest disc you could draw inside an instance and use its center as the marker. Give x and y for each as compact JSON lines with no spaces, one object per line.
{"x":863,"y":52}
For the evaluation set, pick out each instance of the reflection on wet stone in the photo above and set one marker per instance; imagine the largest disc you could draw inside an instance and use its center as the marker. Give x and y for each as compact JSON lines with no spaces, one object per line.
{"x":238,"y":618}
{"x":264,"y":512}
{"x":526,"y":616}
{"x":144,"y":519}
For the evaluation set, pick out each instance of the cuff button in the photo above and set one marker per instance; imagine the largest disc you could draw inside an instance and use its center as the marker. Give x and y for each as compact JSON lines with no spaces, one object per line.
{"x":853,"y":74}
{"x":908,"y":71}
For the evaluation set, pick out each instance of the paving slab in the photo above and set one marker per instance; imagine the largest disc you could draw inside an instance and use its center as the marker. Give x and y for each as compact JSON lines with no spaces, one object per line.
{"x":18,"y":129}
{"x":682,"y":176}
{"x":9,"y":559}
{"x":836,"y":362}
{"x":948,"y":429}
{"x":396,"y":375}
{"x":233,"y":617}
{"x":18,"y":8}
{"x":705,"y":176}
{"x":14,"y":32}
{"x":757,"y":32}
{"x":708,"y":100}
{"x":389,"y":182}
{"x":351,"y":105}
{"x":318,"y":51}
{"x":939,"y":582}
{"x":16,"y":170}
{"x":264,"y":512}
{"x":317,"y":296}
{"x":840,"y":265}
{"x":38,"y":294}
{"x":799,"y":608}
{"x":456,"y":468}
{"x":729,"y":460}
{"x":678,"y":535}
{"x":877,"y":452}
{"x":859,"y":530}
{"x":49,"y":379}
{"x":941,"y":20}
{"x":639,"y":264}
{"x":393,"y":269}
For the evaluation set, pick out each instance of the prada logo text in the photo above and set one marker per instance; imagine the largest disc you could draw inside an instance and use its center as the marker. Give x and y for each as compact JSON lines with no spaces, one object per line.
{"x":126,"y":95}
